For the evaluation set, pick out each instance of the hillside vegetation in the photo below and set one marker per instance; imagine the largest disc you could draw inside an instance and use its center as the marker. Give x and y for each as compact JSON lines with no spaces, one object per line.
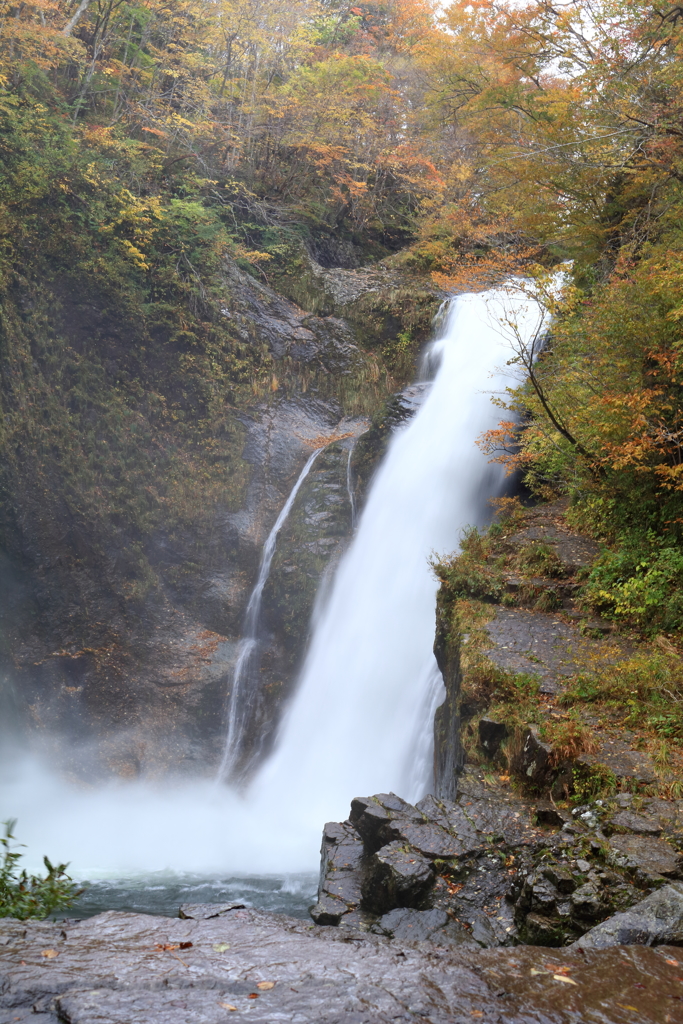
{"x":143,"y":143}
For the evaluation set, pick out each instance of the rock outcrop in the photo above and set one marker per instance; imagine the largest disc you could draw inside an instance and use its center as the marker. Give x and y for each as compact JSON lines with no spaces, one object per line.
{"x":512,"y":638}
{"x":655,"y":921}
{"x":501,"y":868}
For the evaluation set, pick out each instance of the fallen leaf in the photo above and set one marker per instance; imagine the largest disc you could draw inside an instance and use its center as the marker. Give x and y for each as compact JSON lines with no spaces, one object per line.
{"x":166,"y":947}
{"x":227,"y":1006}
{"x":561,"y":977}
{"x":184,"y":945}
{"x":265,"y":985}
{"x":623,"y":1006}
{"x":561,"y":970}
{"x":674,"y":962}
{"x":220,"y":947}
{"x":534,"y":971}
{"x":253,"y":995}
{"x":49,"y":954}
{"x":476,"y":1013}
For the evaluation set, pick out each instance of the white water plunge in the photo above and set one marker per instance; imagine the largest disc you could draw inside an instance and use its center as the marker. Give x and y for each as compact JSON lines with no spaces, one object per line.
{"x":361,"y":720}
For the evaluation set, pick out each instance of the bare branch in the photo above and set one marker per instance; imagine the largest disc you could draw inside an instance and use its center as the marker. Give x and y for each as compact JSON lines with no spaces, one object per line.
{"x":73,"y":21}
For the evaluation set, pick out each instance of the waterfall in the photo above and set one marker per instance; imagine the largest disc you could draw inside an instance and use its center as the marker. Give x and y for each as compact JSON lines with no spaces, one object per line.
{"x":361,"y":719}
{"x":349,"y":489}
{"x":246,"y":665}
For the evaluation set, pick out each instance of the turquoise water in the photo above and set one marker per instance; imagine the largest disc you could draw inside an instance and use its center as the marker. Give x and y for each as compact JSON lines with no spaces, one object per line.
{"x":164,"y":892}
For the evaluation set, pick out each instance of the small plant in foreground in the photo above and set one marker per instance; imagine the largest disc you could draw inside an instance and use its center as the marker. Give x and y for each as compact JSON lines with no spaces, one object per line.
{"x":644,"y":692}
{"x":592,"y":781}
{"x":23,"y":895}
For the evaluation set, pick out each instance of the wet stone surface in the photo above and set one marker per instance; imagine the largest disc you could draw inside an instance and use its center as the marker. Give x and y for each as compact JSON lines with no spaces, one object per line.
{"x":504,"y":870}
{"x":128,"y":969}
{"x":573,"y":550}
{"x":545,"y":646}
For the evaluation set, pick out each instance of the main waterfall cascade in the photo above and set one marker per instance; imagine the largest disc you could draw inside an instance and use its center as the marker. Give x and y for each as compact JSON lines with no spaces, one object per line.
{"x":361,"y":719}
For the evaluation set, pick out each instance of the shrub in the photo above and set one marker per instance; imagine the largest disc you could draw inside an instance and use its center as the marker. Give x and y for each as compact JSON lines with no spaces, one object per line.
{"x":23,"y":895}
{"x":646,"y":690}
{"x":641,"y":586}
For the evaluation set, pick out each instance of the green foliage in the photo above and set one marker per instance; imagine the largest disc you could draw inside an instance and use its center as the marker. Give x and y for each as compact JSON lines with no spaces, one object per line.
{"x":539,"y":559}
{"x":486,"y":563}
{"x":31,"y":896}
{"x":120,"y":370}
{"x":592,"y":781}
{"x":644,"y":692}
{"x":475,"y":571}
{"x":640,"y":585}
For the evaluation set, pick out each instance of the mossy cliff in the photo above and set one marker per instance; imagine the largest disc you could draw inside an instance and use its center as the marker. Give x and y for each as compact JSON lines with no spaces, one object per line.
{"x":159,"y":400}
{"x":550,"y":696}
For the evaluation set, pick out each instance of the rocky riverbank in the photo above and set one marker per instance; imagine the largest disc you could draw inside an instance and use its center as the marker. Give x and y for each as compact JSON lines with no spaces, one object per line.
{"x":555,"y":808}
{"x":216,"y":962}
{"x":541,"y":691}
{"x":494,"y":868}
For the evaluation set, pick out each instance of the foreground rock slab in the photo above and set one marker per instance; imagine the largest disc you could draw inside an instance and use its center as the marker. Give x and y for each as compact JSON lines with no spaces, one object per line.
{"x":135,"y":969}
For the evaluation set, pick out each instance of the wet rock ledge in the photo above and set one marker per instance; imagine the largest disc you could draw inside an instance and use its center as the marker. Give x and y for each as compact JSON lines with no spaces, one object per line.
{"x":222,"y":963}
{"x":492,"y":869}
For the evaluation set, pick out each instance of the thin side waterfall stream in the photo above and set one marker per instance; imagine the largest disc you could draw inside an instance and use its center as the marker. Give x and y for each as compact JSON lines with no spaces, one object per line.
{"x":247,"y":658}
{"x":361,"y":719}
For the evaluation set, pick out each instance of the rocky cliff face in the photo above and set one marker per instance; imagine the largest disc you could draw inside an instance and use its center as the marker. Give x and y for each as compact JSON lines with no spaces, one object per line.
{"x":122,"y":609}
{"x":448,"y":751}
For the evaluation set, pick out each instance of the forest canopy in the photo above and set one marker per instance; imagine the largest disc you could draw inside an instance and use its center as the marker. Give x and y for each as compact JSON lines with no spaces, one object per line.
{"x":460,"y":142}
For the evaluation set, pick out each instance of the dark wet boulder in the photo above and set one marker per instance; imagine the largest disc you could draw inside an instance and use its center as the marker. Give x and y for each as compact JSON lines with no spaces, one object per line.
{"x":535,"y":760}
{"x":491,"y":735}
{"x":587,"y":902}
{"x":378,"y":819}
{"x":396,"y":876}
{"x":656,"y":920}
{"x":431,"y":840}
{"x":434,"y":926}
{"x":650,"y":858}
{"x":562,"y":878}
{"x":484,"y":860}
{"x":340,"y":861}
{"x":328,"y":909}
{"x":629,"y":821}
{"x":543,"y":931}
